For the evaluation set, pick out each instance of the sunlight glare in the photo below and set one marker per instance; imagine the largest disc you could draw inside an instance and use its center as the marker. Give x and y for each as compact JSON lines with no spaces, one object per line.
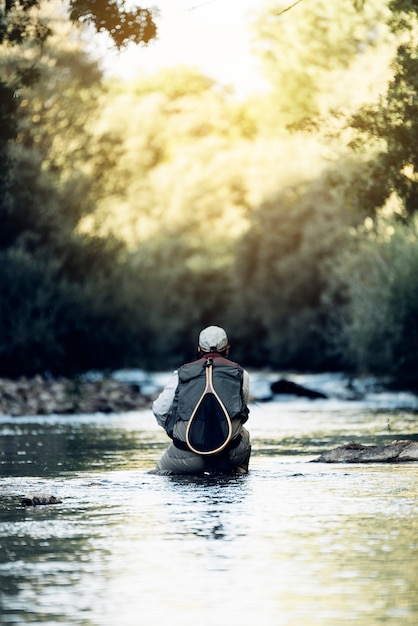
{"x":212,"y":36}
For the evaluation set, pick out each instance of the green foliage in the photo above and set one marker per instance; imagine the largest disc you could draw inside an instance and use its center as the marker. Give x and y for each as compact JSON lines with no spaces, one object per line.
{"x":8,"y":131}
{"x":8,"y":109}
{"x":402,"y":10}
{"x":25,"y":312}
{"x":123,"y":26}
{"x":282,"y":272}
{"x":66,"y":303}
{"x":50,"y":321}
{"x":173,"y":83}
{"x":393,"y":123}
{"x":305,"y":51}
{"x":378,"y":301}
{"x":135,"y":214}
{"x":183,"y":147}
{"x":47,"y":164}
{"x":19,"y":21}
{"x":179,"y":300}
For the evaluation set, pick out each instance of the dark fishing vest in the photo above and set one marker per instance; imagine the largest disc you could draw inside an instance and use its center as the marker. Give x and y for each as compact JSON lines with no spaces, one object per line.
{"x":224,"y":379}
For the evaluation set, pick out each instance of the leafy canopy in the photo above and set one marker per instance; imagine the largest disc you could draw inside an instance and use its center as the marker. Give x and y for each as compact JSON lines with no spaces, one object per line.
{"x":19,"y":23}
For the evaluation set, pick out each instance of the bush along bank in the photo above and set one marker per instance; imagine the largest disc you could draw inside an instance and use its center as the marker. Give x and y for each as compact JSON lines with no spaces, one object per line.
{"x":39,"y":396}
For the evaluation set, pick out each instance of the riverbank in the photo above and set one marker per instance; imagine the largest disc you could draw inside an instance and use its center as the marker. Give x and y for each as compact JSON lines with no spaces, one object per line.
{"x":132,"y":390}
{"x":39,"y":396}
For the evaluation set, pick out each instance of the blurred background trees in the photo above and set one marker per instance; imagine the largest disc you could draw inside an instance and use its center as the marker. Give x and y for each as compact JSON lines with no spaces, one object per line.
{"x":134,"y":213}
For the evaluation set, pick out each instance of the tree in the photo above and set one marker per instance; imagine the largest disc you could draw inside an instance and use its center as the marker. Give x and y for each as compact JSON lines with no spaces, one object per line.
{"x":31,"y":88}
{"x":183,"y":149}
{"x":54,"y":148}
{"x":373,"y":297}
{"x":19,"y":22}
{"x":392,"y":123}
{"x":282,"y":267}
{"x":305,"y":51}
{"x":67,"y":300}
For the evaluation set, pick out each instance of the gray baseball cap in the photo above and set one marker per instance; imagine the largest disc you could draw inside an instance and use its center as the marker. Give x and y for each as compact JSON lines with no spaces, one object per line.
{"x":213,"y":339}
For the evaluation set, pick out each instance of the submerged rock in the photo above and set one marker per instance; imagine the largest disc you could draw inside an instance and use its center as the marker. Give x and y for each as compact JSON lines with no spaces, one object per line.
{"x":395,"y":452}
{"x":37,"y":499}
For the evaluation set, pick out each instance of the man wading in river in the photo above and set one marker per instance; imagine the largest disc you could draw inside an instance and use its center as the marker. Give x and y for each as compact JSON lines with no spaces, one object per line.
{"x":202,"y":409}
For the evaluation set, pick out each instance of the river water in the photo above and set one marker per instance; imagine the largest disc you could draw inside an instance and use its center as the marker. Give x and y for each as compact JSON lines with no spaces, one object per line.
{"x":292,"y":543}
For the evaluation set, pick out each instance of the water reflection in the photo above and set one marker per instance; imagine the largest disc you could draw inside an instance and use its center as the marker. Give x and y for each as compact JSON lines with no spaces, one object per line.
{"x":292,"y":543}
{"x":52,"y":446}
{"x":205,"y":507}
{"x":66,"y":445}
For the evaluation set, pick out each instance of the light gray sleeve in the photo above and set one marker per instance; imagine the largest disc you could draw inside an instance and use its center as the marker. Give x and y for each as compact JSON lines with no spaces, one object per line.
{"x":162,"y":405}
{"x":246,"y":387}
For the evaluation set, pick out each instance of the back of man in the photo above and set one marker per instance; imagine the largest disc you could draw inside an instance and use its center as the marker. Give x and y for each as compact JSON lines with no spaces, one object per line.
{"x":203,"y":409}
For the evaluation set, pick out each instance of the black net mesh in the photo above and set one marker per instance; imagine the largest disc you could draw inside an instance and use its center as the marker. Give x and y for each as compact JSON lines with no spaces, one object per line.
{"x":208,"y":429}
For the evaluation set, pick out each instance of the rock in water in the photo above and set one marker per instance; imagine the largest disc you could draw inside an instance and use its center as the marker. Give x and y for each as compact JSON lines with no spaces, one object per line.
{"x":37,"y":499}
{"x":395,"y":452}
{"x":287,"y":387}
